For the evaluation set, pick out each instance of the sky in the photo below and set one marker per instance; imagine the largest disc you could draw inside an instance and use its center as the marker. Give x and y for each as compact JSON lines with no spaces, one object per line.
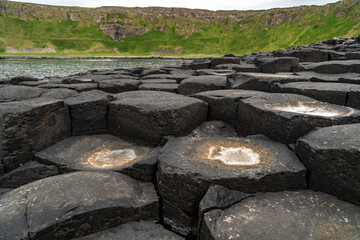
{"x":199,"y":4}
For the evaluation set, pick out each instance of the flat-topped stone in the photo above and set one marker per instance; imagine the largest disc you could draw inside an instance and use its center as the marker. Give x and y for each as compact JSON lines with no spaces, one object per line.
{"x":89,"y":112}
{"x":101,"y":152}
{"x":134,"y":231}
{"x":223,"y":104}
{"x":261,"y":81}
{"x":224,"y":60}
{"x":336,"y":93}
{"x":119,"y":85}
{"x":158,"y":81}
{"x":10,"y":93}
{"x":331,"y":155}
{"x":277,"y":64}
{"x":332,"y":67}
{"x":60,"y":93}
{"x":286,"y":117}
{"x":177,"y":77}
{"x":75,"y":204}
{"x":219,"y":72}
{"x":173,"y":88}
{"x":80,"y":87}
{"x":243,"y":67}
{"x":30,"y":126}
{"x":214,"y":128}
{"x":284,"y":215}
{"x":305,"y":54}
{"x":198,"y":84}
{"x":148,"y":116}
{"x":188,"y":166}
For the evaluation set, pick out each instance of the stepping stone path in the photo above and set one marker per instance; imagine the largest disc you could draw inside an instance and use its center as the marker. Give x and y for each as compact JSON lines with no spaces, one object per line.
{"x":218,"y":148}
{"x":101,"y":152}
{"x":75,"y":204}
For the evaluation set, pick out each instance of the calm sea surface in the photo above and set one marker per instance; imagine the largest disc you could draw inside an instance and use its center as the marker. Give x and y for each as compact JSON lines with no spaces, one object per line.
{"x":41,"y":68}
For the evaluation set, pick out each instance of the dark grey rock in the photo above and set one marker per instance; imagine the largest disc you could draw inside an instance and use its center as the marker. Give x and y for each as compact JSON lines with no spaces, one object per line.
{"x":101,"y":152}
{"x":243,"y":67}
{"x":10,"y":93}
{"x":333,"y":67}
{"x":74,"y":80}
{"x":336,"y":93}
{"x":60,"y":93}
{"x":173,"y":88}
{"x":119,"y":85}
{"x":284,"y":215}
{"x":146,"y":72}
{"x":261,"y":81}
{"x":27,"y":173}
{"x":277,"y":64}
{"x":134,"y":231}
{"x":148,"y":116}
{"x":352,"y":55}
{"x":98,"y":78}
{"x":189,"y":166}
{"x":331,"y":156}
{"x":223,"y":104}
{"x":29,"y":126}
{"x":1,"y":169}
{"x":198,"y":64}
{"x":158,"y":81}
{"x":89,"y":112}
{"x":214,"y":128}
{"x":305,"y":54}
{"x":204,"y":72}
{"x":19,"y":79}
{"x":4,"y":190}
{"x":80,"y":87}
{"x":224,"y":60}
{"x":177,"y":77}
{"x":286,"y":117}
{"x":198,"y":84}
{"x":74,"y":205}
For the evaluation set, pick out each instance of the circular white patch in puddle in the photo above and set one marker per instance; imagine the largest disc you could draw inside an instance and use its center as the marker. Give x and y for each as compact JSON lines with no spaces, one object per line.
{"x":107,"y":158}
{"x":239,"y":156}
{"x":308,"y":109}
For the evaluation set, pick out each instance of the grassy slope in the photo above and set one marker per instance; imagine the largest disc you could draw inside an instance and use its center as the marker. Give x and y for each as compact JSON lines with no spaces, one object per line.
{"x":218,"y":37}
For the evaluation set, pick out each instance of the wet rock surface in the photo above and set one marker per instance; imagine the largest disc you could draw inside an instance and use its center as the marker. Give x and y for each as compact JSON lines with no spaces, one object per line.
{"x":286,"y":117}
{"x":284,"y":215}
{"x":211,"y":183}
{"x":51,"y":209}
{"x":331,"y":156}
{"x":147,"y":116}
{"x":188,"y":166}
{"x":101,"y":152}
{"x":134,"y":231}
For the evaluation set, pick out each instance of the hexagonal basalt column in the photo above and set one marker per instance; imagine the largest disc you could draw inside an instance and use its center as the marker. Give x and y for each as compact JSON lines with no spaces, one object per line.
{"x":148,"y":116}
{"x":283,"y":215}
{"x":30,"y":126}
{"x":188,"y":166}
{"x":101,"y":152}
{"x":75,"y":204}
{"x":332,"y":157}
{"x":286,"y":117}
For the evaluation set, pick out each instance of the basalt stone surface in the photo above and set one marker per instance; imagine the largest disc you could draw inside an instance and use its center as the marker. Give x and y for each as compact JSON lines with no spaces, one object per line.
{"x":173,"y":88}
{"x":332,"y":67}
{"x":198,"y":84}
{"x":261,"y":81}
{"x":223,"y":104}
{"x":60,"y":93}
{"x":204,"y":72}
{"x":27,"y":173}
{"x":158,"y":81}
{"x":243,"y":67}
{"x":336,"y":93}
{"x":134,"y":231}
{"x":177,"y":77}
{"x":75,"y":204}
{"x":19,"y":79}
{"x":277,"y":64}
{"x":148,"y":116}
{"x":80,"y":87}
{"x":10,"y":93}
{"x":284,"y":215}
{"x":224,"y":60}
{"x":286,"y":117}
{"x":89,"y":112}
{"x":99,"y":78}
{"x":119,"y":85}
{"x":189,"y":166}
{"x":74,"y":80}
{"x":146,"y":72}
{"x":214,"y":128}
{"x":305,"y":54}
{"x":30,"y":126}
{"x":331,"y":156}
{"x":198,"y":64}
{"x":101,"y":152}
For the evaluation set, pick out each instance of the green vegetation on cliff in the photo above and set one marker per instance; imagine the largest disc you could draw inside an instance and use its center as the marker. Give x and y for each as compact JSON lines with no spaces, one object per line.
{"x":164,"y":31}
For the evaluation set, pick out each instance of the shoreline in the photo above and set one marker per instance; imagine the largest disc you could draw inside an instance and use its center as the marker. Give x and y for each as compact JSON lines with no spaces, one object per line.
{"x":85,"y":58}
